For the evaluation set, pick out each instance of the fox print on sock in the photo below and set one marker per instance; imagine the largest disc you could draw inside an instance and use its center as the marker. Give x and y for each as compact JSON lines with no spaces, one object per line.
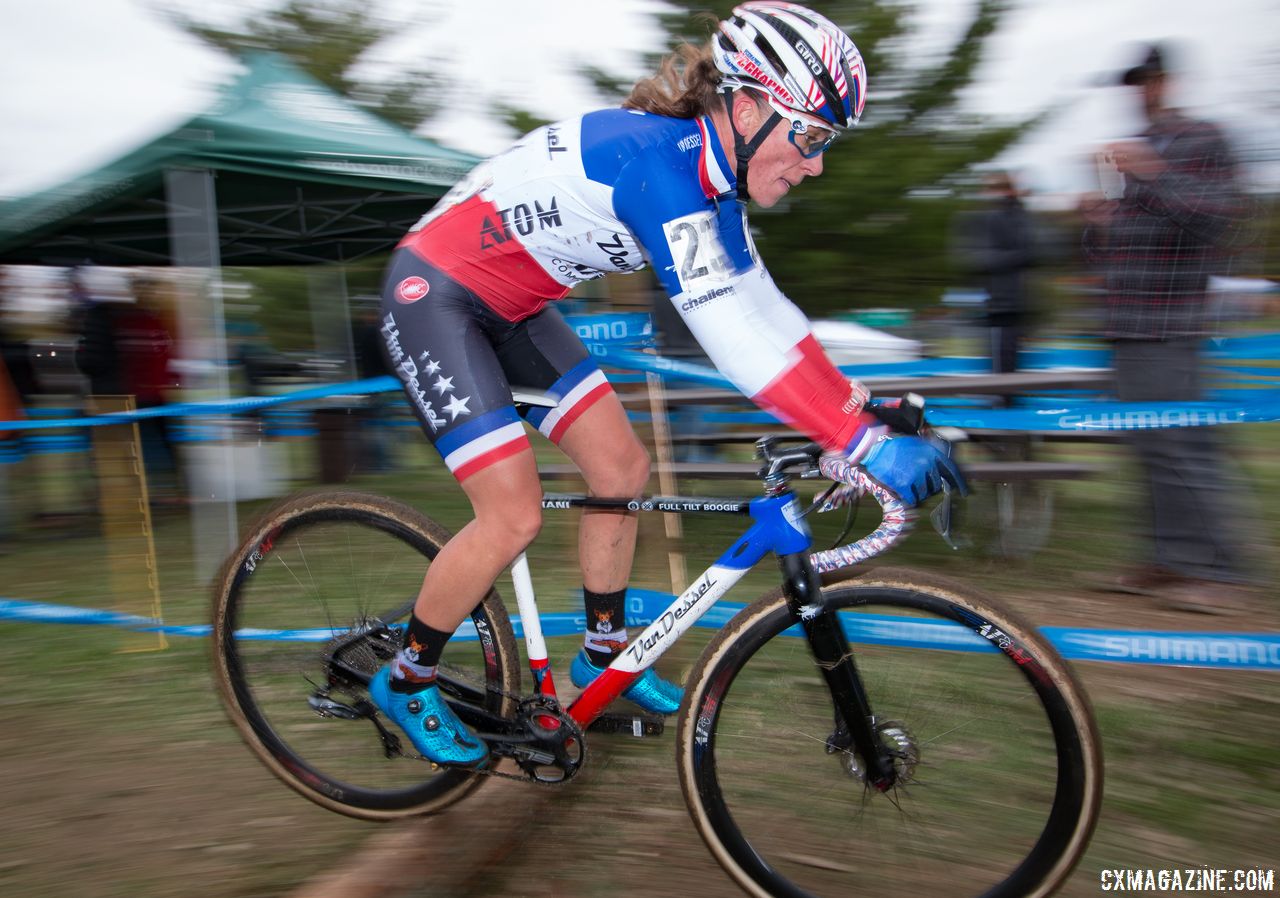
{"x":407,"y":667}
{"x":601,"y":635}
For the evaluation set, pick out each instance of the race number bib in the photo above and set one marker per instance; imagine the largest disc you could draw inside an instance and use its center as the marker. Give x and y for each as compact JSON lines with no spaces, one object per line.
{"x":696,"y":251}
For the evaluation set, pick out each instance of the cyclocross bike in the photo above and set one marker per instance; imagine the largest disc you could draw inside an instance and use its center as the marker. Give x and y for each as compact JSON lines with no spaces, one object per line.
{"x":848,"y":733}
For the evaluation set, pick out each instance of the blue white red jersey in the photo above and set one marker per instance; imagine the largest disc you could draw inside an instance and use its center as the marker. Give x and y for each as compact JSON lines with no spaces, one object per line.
{"x":615,"y":190}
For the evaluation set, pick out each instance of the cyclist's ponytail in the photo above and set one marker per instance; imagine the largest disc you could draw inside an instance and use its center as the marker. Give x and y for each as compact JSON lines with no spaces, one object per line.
{"x":686,"y":85}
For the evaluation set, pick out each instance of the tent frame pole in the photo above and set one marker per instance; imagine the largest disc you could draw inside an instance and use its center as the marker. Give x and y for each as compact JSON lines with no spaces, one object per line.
{"x":193,"y":241}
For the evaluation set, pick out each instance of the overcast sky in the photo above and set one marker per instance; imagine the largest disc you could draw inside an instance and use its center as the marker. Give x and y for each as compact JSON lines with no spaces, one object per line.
{"x":87,"y":80}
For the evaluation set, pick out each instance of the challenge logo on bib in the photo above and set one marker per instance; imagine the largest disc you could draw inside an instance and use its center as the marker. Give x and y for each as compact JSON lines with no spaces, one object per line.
{"x":411,"y":290}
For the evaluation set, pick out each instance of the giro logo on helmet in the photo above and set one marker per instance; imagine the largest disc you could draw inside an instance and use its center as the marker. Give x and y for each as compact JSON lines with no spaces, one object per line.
{"x":411,"y":290}
{"x":808,"y":56}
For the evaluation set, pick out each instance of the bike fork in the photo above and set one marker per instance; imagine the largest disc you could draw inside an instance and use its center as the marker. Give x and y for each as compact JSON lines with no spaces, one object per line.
{"x":834,"y":658}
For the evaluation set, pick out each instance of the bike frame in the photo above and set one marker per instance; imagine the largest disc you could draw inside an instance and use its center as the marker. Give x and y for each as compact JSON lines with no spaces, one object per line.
{"x":779,"y":527}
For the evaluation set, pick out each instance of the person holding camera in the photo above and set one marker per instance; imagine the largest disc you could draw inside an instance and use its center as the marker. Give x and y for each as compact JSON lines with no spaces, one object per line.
{"x":1177,"y":213}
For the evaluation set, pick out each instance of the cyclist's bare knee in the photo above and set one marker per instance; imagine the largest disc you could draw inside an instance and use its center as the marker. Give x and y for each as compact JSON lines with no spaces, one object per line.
{"x":619,"y":468}
{"x":507,"y":500}
{"x":633,"y":469}
{"x":512,"y":526}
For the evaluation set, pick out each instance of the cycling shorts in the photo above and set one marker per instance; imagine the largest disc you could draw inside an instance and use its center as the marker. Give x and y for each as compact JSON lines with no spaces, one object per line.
{"x":458,"y":361}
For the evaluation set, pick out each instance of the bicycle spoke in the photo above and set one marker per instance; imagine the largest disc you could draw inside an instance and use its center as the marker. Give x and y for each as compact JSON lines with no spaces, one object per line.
{"x":349,"y":572}
{"x":976,"y":756}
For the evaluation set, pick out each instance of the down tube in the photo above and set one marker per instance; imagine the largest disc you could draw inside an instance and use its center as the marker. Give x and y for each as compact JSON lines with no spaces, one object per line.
{"x":679,"y":616}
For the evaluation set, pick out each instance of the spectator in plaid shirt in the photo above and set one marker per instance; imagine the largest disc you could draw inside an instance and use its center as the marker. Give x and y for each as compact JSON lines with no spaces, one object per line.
{"x":1181,"y":213}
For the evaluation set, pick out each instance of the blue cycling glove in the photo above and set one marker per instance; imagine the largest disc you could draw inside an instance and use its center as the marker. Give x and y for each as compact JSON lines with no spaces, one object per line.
{"x":911,"y":467}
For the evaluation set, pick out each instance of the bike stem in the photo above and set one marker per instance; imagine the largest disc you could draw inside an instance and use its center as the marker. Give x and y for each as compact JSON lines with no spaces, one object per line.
{"x":803,"y":589}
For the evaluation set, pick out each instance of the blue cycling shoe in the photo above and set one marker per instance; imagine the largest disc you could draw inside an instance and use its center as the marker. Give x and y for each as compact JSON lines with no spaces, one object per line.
{"x":429,"y":722}
{"x":649,"y":691}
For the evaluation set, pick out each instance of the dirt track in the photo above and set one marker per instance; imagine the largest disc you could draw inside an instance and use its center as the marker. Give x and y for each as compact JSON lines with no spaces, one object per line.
{"x":631,"y":784}
{"x":122,"y":778}
{"x":445,"y":854}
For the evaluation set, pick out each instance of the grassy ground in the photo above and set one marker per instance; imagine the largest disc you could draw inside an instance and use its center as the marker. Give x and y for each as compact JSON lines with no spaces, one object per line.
{"x":122,"y":777}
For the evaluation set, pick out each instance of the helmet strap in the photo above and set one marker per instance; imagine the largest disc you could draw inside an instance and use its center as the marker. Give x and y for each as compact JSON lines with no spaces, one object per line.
{"x":743,"y":149}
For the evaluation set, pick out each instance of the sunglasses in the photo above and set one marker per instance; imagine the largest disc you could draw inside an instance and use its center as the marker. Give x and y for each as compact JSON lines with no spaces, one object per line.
{"x":811,"y":142}
{"x":806,"y":135}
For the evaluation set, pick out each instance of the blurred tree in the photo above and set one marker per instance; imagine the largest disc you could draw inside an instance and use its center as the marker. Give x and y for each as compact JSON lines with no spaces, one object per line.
{"x":326,"y":38}
{"x":520,"y":121}
{"x":873,"y":230}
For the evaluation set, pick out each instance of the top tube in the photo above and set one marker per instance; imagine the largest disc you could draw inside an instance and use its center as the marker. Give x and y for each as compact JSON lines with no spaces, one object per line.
{"x":778,"y":526}
{"x":679,"y":504}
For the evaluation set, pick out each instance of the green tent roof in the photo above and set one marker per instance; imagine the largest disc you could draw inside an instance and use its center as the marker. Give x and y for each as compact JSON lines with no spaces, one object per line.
{"x":302,"y":175}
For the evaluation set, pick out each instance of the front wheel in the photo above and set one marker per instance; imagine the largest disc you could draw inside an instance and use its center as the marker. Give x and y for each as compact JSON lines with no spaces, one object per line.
{"x":996,"y":753}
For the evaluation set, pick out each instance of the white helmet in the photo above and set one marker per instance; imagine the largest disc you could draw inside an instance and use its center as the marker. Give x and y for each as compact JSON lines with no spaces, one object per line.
{"x":800,"y":60}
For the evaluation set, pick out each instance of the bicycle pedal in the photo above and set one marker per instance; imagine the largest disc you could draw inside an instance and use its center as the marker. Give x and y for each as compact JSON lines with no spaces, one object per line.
{"x":637,"y":725}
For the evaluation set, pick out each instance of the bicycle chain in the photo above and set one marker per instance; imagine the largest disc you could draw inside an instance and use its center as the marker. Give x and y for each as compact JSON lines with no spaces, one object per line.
{"x":565,"y":720}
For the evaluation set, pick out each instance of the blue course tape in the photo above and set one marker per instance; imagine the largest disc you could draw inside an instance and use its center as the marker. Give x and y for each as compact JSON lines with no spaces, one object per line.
{"x":1093,"y":416}
{"x":1269,"y":374}
{"x":44,"y":613}
{"x":1258,"y":405}
{"x":1240,"y":651}
{"x":1262,"y":346}
{"x":1243,"y":651}
{"x":1047,"y":414}
{"x":219,"y":407}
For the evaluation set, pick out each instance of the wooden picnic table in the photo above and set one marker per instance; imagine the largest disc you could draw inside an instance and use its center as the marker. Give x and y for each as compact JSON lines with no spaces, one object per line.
{"x":1024,"y":503}
{"x":1001,"y":472}
{"x":943,"y":385}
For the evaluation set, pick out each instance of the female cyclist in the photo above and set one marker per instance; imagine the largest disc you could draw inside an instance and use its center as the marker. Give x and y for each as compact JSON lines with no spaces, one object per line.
{"x":663,"y":181}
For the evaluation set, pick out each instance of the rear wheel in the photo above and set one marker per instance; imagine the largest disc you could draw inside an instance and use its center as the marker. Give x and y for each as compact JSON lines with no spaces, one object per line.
{"x":998,"y":762}
{"x":311,"y":604}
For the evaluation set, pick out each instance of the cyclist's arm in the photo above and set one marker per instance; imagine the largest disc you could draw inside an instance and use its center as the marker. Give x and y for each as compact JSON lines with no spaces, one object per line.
{"x":753,"y":334}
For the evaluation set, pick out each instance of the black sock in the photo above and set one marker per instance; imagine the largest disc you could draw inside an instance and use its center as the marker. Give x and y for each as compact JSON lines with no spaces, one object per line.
{"x":414,"y":667}
{"x":606,"y":634}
